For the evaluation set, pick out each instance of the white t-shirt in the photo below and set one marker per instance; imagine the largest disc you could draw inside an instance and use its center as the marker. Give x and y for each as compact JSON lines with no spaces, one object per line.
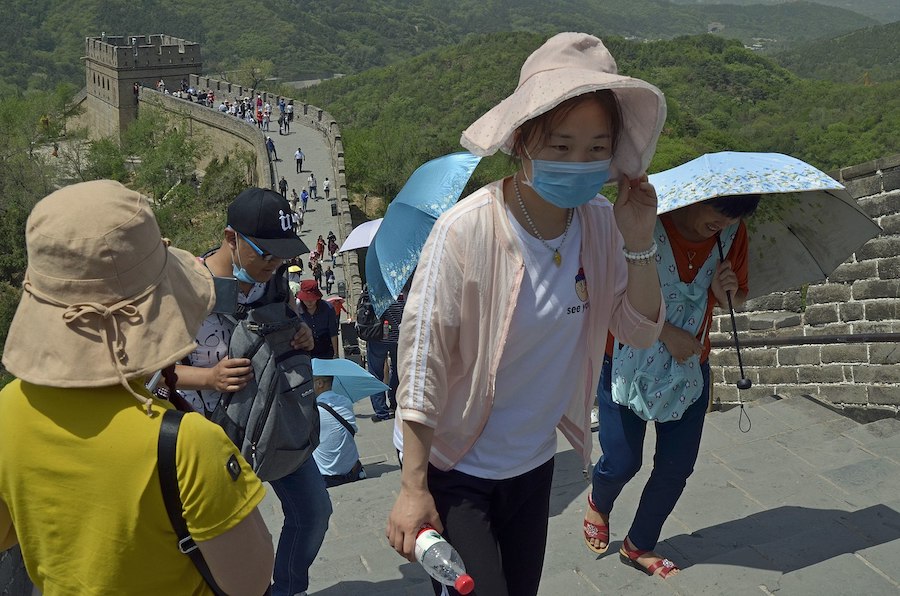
{"x":542,"y":356}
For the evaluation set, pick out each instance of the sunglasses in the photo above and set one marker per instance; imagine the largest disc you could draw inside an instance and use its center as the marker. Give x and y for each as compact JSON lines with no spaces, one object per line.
{"x":267,"y":257}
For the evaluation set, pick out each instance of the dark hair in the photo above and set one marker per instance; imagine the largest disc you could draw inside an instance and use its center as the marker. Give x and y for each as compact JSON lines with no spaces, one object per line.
{"x":735,"y":206}
{"x":540,"y":127}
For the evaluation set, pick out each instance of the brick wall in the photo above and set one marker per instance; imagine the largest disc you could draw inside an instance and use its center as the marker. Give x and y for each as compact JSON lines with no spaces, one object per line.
{"x":861,"y":296}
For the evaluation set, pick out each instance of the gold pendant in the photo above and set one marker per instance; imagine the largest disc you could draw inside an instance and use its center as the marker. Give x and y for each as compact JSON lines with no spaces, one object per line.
{"x":557,"y":258}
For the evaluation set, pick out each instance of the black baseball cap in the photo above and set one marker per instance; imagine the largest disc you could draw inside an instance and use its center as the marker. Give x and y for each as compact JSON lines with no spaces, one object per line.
{"x":266,"y":218}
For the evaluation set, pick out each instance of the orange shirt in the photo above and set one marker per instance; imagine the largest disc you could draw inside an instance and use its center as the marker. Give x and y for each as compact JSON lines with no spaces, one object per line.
{"x":695,"y":253}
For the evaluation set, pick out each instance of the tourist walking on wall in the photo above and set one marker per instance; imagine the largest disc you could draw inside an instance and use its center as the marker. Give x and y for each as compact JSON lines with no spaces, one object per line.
{"x":668,"y":383}
{"x":256,"y":246}
{"x":282,"y":187}
{"x":326,"y":187}
{"x":311,"y":183}
{"x":298,"y":157}
{"x":109,"y":304}
{"x":270,"y":145}
{"x":496,"y":357}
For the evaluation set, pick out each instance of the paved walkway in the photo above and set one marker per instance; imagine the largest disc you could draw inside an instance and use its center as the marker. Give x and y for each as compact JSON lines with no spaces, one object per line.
{"x":807,"y":502}
{"x":318,"y":219}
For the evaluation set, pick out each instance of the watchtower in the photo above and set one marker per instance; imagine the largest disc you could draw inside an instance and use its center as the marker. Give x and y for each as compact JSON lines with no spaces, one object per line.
{"x":114,"y":65}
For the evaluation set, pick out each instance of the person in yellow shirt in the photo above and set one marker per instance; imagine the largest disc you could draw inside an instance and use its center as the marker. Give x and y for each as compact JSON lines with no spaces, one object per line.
{"x":106,"y":304}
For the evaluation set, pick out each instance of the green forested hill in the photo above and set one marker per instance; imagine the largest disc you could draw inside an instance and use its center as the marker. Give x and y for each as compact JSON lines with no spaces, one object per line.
{"x":874,"y":50}
{"x":720,"y":96}
{"x":886,"y":11}
{"x":43,"y":39}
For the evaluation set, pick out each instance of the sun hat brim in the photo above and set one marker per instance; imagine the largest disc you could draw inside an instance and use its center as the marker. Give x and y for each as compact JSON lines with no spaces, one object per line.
{"x":42,"y":349}
{"x":642,"y":107}
{"x":309,"y":295}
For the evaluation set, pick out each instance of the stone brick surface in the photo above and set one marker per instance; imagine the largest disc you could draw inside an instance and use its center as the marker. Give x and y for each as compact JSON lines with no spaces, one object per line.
{"x":883,"y":247}
{"x":780,"y":375}
{"x":877,"y":206}
{"x":864,"y":187}
{"x":819,"y":314}
{"x":877,"y":373}
{"x":825,"y":293}
{"x":848,"y":272}
{"x":863,"y":170}
{"x":881,"y":310}
{"x":759,"y":356}
{"x":890,"y":224}
{"x":845,"y":353}
{"x":852,"y":311}
{"x":793,"y":355}
{"x":890,"y":180}
{"x":830,"y":329}
{"x":875,"y":326}
{"x":821,"y":374}
{"x":792,"y":301}
{"x":876,"y":288}
{"x":885,"y":395}
{"x":884,"y":353}
{"x":844,"y":393}
{"x":888,"y":162}
{"x":889,"y":268}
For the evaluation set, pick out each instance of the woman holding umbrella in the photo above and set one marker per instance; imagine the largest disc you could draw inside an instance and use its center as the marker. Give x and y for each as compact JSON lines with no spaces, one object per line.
{"x":498,"y":355}
{"x":670,"y":385}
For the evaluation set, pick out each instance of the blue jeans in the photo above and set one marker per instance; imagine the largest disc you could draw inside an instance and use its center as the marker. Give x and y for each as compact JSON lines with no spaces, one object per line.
{"x":307,"y":509}
{"x":622,"y":440}
{"x":376,"y":353}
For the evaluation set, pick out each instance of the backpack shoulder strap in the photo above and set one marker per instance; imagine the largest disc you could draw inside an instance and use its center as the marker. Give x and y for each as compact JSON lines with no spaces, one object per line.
{"x":168,"y":479}
{"x":339,"y":418}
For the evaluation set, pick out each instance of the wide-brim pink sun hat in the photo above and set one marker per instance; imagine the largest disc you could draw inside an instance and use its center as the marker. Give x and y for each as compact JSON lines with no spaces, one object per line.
{"x":568,"y":65}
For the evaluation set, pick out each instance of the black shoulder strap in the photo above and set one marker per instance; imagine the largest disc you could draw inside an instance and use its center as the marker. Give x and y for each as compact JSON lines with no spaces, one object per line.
{"x":340,"y":418}
{"x":168,"y":478}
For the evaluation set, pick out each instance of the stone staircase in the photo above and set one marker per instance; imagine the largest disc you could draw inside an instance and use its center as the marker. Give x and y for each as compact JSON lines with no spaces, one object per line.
{"x":806,"y":502}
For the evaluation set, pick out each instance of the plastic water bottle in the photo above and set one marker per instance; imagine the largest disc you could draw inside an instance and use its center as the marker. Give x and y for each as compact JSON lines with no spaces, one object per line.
{"x":441,"y":560}
{"x":385,"y":329}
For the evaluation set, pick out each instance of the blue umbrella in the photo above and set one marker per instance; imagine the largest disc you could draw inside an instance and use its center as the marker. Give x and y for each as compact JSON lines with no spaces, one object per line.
{"x":431,"y":190}
{"x":806,"y":225}
{"x":350,"y":379}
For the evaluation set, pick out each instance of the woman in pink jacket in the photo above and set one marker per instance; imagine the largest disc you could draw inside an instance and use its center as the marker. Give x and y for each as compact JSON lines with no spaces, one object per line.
{"x":505,"y":325}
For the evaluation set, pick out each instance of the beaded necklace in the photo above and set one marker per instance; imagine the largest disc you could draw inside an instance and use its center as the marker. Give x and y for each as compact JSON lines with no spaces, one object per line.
{"x":557,"y":258}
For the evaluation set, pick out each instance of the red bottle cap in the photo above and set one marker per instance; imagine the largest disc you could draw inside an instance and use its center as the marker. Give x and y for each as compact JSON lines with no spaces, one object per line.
{"x":464,"y":584}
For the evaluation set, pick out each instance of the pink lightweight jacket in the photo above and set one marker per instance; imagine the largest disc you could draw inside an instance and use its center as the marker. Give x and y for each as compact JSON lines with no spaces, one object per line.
{"x":458,"y":311}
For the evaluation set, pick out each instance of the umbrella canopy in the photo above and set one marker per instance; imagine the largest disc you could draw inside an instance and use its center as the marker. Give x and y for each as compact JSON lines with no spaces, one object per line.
{"x":361,"y":236}
{"x":432,"y":189}
{"x":350,"y":379}
{"x":806,"y":224}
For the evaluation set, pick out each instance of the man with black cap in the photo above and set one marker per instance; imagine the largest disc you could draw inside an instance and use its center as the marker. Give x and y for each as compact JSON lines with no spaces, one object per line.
{"x":257,"y":243}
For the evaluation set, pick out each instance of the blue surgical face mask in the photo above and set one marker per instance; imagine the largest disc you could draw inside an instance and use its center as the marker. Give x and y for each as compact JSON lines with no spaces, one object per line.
{"x":568,"y":184}
{"x":239,"y":272}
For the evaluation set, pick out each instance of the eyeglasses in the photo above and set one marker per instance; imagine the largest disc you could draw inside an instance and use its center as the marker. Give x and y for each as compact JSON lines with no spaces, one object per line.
{"x":267,"y":257}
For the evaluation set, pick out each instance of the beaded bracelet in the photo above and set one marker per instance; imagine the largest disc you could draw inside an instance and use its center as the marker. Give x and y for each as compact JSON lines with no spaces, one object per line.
{"x":640,"y":258}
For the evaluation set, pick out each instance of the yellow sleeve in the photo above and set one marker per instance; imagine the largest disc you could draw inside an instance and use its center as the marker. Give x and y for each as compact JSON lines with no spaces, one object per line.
{"x":8,"y":538}
{"x":218,"y":487}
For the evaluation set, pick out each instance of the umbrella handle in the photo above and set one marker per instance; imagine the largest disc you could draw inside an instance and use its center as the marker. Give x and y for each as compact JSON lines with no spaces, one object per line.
{"x":744,"y":383}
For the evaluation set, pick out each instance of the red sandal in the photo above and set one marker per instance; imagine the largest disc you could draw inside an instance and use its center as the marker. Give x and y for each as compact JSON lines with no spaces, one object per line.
{"x":630,"y":557}
{"x":595,"y":531}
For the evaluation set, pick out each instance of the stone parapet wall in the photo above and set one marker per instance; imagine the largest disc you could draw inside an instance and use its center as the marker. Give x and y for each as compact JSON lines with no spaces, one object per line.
{"x":862,"y":296}
{"x":224,"y":132}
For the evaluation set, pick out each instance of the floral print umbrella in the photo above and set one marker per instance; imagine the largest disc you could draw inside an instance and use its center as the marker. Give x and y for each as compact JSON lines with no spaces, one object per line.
{"x":806,"y":225}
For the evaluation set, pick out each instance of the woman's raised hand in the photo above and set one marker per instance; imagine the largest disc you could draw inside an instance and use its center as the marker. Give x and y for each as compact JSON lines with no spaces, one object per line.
{"x":635,"y":211}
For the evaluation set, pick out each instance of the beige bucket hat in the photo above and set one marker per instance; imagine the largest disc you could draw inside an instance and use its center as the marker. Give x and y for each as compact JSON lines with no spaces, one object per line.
{"x":568,"y":65}
{"x":105,"y":300}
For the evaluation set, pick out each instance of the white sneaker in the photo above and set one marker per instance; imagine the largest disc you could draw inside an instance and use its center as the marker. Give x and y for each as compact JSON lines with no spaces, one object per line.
{"x":595,"y":418}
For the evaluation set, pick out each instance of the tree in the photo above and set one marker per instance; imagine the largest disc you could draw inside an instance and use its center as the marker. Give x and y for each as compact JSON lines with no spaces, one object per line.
{"x":253,"y":71}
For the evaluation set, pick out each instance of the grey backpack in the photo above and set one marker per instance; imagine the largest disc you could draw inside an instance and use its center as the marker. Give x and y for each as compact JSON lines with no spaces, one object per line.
{"x":273,"y":420}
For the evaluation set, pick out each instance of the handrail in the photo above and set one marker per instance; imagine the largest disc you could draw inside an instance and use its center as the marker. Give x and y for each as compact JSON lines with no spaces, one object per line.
{"x":809,"y":340}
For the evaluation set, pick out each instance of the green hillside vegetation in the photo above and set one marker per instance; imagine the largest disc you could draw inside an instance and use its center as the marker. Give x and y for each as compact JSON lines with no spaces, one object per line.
{"x":848,"y":58}
{"x":886,"y":11}
{"x":42,"y":40}
{"x":720,"y":96}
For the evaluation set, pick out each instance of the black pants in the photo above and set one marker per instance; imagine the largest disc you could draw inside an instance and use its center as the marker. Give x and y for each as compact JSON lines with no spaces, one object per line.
{"x":499,"y":527}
